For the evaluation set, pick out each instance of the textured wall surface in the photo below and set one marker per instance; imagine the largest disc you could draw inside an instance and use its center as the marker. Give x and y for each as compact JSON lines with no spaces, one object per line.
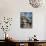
{"x":12,"y":8}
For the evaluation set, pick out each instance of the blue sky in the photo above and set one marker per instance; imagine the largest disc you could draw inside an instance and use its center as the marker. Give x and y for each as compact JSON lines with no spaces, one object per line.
{"x":27,"y":14}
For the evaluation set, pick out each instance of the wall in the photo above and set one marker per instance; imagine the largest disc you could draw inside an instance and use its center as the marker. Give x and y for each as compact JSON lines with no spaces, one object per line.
{"x":12,"y":8}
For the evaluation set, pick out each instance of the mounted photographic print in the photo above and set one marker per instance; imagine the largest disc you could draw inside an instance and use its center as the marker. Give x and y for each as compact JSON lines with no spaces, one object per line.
{"x":35,"y":3}
{"x":26,"y":19}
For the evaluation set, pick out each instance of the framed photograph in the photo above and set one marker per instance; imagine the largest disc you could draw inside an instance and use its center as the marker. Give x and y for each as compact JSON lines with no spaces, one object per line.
{"x":26,"y":19}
